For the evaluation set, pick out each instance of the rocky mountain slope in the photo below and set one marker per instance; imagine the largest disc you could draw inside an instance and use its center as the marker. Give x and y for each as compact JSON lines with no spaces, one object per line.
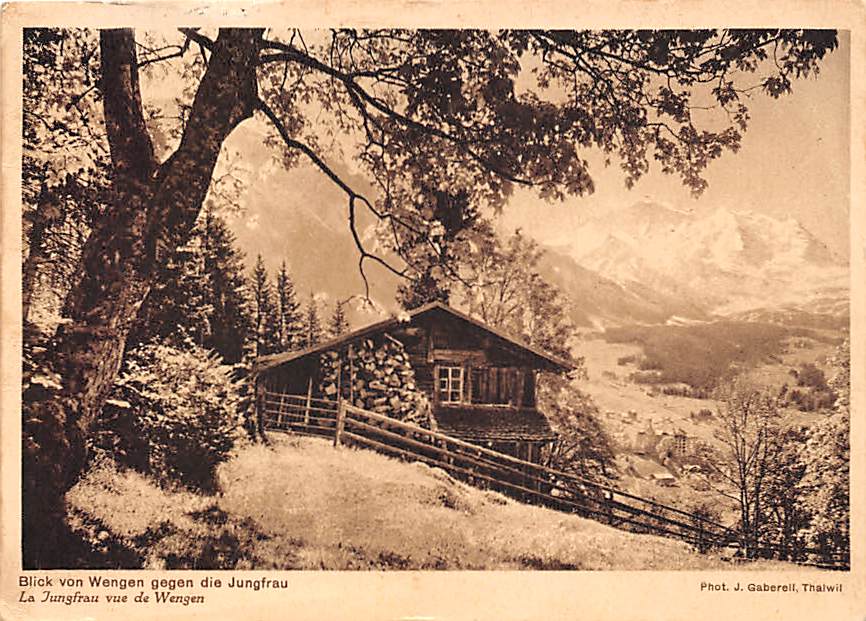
{"x":649,"y":261}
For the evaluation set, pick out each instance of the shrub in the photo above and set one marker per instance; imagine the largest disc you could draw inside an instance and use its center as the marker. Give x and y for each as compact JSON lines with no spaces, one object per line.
{"x":173,"y":414}
{"x":811,"y":376}
{"x":649,"y":364}
{"x":584,"y":447}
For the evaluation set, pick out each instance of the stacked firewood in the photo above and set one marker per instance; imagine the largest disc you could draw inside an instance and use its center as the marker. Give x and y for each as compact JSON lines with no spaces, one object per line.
{"x":375,"y":375}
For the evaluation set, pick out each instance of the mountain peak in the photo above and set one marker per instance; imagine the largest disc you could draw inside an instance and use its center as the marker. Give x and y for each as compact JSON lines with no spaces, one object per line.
{"x":720,"y":257}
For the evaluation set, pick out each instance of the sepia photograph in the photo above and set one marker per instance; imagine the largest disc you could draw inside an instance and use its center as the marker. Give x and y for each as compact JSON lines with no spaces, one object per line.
{"x":352,"y":298}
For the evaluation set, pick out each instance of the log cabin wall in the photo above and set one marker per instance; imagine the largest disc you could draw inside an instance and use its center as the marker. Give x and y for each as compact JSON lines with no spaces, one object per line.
{"x":492,"y":375}
{"x":292,"y":379}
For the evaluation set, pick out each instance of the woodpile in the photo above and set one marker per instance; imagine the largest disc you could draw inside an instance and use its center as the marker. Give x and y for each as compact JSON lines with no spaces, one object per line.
{"x":375,"y":375}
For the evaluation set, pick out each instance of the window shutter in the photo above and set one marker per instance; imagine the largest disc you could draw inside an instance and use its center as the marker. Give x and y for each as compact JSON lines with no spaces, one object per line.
{"x":518,"y":387}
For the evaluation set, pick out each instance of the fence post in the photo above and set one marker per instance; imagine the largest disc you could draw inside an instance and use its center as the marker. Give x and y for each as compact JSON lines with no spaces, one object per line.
{"x":351,"y":354}
{"x":309,"y":398}
{"x":608,"y":505}
{"x":701,"y":545}
{"x":341,"y":421}
{"x":260,"y":410}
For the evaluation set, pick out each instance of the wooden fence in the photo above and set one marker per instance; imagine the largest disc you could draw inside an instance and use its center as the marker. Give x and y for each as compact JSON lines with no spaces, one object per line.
{"x":479,"y":466}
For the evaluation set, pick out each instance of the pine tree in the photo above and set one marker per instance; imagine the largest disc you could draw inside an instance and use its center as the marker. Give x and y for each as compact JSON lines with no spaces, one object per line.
{"x":199,"y":295}
{"x":313,"y":332}
{"x":231,"y":318}
{"x":291,"y":321}
{"x":266,"y":320}
{"x":339,"y":324}
{"x":177,"y":309}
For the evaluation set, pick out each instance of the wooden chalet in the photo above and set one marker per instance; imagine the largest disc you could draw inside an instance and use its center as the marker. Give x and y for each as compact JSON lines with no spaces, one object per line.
{"x":479,"y":381}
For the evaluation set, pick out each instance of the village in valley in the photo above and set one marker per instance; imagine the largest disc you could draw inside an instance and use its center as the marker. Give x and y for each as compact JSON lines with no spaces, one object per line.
{"x":378,"y":299}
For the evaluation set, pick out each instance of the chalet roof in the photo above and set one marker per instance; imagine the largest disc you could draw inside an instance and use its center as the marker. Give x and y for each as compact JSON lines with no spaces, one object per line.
{"x":493,"y":423}
{"x":264,"y":363}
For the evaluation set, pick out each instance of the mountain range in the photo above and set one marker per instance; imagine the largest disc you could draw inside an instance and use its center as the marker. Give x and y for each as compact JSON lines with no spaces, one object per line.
{"x":649,"y":263}
{"x":645,"y":263}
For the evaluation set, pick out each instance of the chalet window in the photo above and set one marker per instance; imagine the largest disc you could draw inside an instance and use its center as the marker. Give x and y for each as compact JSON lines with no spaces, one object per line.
{"x":450,"y":384}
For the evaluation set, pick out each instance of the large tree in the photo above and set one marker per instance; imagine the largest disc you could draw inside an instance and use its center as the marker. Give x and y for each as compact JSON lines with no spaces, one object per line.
{"x":312,"y":332}
{"x":500,"y":283}
{"x":469,"y":110}
{"x":231,"y":313}
{"x":750,"y":436}
{"x":339,"y":323}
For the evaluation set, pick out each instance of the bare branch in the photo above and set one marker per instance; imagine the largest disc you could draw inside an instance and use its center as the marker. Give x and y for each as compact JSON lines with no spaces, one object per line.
{"x":353,"y":196}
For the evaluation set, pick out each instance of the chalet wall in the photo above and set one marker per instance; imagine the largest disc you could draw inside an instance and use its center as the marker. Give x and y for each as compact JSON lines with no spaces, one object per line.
{"x":493,"y":374}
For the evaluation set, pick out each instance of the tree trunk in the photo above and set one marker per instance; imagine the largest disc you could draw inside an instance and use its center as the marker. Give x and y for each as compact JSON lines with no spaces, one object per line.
{"x":153,"y":209}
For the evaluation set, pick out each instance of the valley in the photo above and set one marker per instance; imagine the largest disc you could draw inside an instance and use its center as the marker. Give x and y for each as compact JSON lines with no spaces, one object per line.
{"x":629,"y":410}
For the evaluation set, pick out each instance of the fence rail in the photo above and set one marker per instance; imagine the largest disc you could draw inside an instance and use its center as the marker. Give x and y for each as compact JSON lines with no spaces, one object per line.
{"x":477,"y":465}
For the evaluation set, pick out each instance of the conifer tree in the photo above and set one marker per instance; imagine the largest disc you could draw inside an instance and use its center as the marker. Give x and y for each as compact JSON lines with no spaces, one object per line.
{"x":231,"y":319}
{"x":290,"y":318}
{"x":313,"y":332}
{"x":339,"y":324}
{"x":266,"y":321}
{"x":199,"y":295}
{"x":177,"y":309}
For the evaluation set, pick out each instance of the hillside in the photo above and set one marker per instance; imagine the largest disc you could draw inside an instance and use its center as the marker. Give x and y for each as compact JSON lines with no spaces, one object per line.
{"x":704,"y":354}
{"x":301,"y":504}
{"x":596,"y":301}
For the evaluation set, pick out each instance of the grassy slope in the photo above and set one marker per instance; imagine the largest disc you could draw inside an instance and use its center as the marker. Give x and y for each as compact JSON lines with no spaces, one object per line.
{"x":303,"y":505}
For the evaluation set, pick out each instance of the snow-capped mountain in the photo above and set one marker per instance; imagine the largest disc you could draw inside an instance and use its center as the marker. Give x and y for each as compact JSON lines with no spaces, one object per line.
{"x":723,"y":262}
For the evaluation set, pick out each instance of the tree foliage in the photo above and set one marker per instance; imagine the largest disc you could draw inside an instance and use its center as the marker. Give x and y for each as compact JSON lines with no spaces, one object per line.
{"x":338,"y":323}
{"x":313,"y":333}
{"x":503,"y":287}
{"x":791,"y":483}
{"x":464,"y":110}
{"x":583,"y":447}
{"x":177,"y":308}
{"x":199,"y":295}
{"x":231,"y":313}
{"x":826,"y":482}
{"x":266,"y":313}
{"x":435,"y":255}
{"x":289,"y":313}
{"x":65,"y":166}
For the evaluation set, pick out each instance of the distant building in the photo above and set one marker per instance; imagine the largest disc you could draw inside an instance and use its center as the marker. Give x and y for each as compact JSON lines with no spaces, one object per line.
{"x":665,"y":442}
{"x":664,"y":479}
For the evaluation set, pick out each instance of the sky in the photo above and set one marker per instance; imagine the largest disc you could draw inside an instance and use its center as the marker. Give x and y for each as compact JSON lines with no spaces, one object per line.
{"x":794,"y":162}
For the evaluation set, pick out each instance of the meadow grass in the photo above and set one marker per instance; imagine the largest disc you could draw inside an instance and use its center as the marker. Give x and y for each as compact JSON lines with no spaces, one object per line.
{"x":299,"y":503}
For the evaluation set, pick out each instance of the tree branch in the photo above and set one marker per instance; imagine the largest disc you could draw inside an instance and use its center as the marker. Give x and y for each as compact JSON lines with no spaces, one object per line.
{"x":289,"y":53}
{"x":128,"y":138}
{"x":353,"y":196}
